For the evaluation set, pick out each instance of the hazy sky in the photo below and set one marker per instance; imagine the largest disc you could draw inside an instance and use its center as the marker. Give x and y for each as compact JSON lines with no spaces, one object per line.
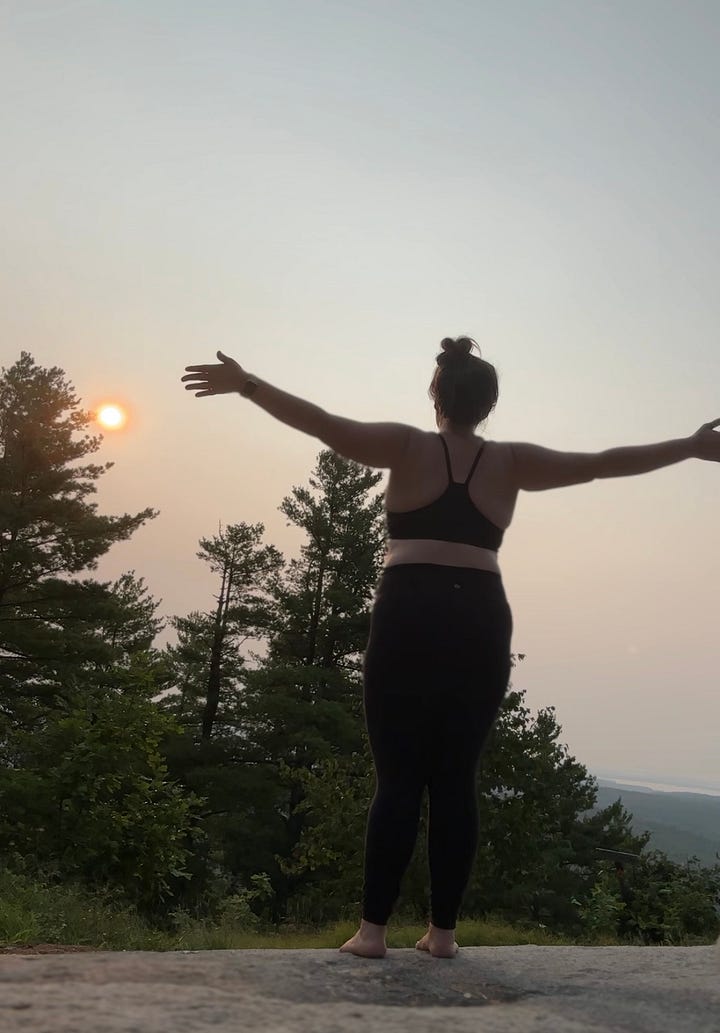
{"x":324,"y":189}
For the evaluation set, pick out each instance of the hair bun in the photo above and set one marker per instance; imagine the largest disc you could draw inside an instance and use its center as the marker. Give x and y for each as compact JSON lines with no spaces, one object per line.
{"x":454,"y":349}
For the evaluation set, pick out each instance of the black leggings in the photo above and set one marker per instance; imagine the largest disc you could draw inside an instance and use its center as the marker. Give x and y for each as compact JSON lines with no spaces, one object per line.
{"x":436,"y":670}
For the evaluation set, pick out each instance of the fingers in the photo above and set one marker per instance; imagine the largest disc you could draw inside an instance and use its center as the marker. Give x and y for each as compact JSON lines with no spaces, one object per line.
{"x":200,"y":385}
{"x":199,"y":378}
{"x":709,"y":426}
{"x":207,"y":366}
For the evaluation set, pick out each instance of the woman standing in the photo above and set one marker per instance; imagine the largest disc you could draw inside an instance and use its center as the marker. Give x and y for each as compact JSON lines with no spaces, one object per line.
{"x":437,"y":663}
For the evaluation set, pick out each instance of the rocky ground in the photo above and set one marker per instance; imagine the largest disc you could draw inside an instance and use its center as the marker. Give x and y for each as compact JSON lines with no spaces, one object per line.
{"x":493,"y":989}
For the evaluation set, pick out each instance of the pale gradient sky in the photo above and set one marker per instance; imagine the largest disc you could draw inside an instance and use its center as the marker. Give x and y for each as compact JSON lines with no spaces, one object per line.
{"x":324,"y":190}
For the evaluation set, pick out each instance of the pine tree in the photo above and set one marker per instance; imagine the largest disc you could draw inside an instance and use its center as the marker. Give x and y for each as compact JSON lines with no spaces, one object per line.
{"x":83,"y":786}
{"x":50,"y":535}
{"x":538,"y":837}
{"x":208,"y":661}
{"x":305,"y":703}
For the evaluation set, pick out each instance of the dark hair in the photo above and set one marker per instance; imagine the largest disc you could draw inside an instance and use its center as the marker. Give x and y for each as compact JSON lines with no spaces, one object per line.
{"x":464,"y":387}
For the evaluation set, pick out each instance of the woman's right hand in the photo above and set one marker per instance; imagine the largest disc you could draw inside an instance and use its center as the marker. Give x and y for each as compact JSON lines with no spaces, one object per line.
{"x":706,"y":442}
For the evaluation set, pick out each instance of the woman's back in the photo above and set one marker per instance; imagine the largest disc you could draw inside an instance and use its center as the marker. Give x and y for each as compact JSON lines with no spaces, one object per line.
{"x":437,"y":515}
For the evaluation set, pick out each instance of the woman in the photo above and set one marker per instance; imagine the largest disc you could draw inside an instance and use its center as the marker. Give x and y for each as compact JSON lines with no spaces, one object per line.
{"x":438,"y":658}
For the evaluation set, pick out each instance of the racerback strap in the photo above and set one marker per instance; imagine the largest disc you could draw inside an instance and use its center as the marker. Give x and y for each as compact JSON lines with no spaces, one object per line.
{"x":472,"y":468}
{"x":447,"y":459}
{"x":449,"y":464}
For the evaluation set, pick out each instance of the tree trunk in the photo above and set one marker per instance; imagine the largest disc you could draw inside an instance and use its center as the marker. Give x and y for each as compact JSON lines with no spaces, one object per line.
{"x":212,"y":698}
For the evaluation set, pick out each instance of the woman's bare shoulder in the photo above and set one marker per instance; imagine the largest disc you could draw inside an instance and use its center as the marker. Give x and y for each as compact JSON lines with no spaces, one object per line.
{"x":421,"y":440}
{"x":501,"y":452}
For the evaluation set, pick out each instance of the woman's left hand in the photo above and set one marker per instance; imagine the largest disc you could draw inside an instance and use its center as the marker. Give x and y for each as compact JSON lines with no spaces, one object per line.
{"x":220,"y":379}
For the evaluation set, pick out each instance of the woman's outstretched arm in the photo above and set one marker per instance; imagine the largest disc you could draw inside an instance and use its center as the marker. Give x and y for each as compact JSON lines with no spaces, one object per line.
{"x":537,"y":468}
{"x":373,"y":444}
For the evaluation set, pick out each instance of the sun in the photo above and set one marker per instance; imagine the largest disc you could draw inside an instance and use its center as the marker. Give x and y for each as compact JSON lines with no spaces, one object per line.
{"x":111,"y":416}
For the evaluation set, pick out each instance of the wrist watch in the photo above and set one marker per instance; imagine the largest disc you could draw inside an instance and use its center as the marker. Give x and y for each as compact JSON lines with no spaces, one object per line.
{"x":249,"y":388}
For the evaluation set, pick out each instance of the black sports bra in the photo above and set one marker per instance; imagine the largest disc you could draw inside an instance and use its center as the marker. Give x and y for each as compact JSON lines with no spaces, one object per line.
{"x":453,"y":517}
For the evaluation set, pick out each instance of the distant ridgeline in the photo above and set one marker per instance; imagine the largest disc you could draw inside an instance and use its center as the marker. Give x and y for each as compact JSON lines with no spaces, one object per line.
{"x":683,"y":825}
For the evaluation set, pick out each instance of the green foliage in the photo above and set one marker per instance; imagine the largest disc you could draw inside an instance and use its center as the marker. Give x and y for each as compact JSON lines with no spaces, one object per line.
{"x":92,"y":800}
{"x":287,"y":712}
{"x":653,"y":900}
{"x":237,"y":910}
{"x":538,"y":840}
{"x":328,"y":855}
{"x":601,"y":912}
{"x":538,"y":836}
{"x":53,"y":623}
{"x":324,"y":600}
{"x":305,"y":706}
{"x":207,"y":663}
{"x":36,"y":911}
{"x":671,"y":903}
{"x":215,"y":755}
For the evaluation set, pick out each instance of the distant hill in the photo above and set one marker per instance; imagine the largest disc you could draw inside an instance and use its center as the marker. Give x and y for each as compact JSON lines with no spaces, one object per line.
{"x":682,"y":825}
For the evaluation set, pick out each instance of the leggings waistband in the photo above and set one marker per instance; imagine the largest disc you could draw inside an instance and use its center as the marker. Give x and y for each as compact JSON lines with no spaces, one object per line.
{"x":440,"y":574}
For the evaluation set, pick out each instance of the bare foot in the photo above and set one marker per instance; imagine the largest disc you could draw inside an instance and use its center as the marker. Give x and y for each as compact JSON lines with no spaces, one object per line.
{"x":368,"y":941}
{"x":438,"y":942}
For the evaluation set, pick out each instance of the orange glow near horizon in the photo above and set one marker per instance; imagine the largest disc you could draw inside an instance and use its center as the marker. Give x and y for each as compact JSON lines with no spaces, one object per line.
{"x":111,"y":416}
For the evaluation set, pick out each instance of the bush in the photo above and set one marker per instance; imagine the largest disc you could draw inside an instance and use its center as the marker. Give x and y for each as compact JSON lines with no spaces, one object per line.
{"x":661,"y":902}
{"x":92,"y":800}
{"x":35,"y":911}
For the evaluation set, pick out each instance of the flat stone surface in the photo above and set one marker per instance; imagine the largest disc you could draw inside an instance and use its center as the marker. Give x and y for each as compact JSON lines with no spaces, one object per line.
{"x":493,"y":989}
